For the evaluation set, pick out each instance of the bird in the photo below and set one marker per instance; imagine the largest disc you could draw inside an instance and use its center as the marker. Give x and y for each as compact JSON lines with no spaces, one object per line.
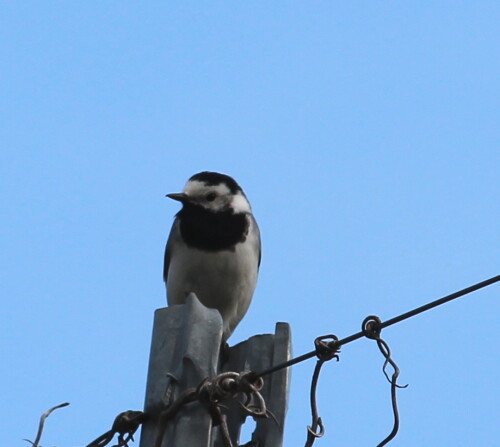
{"x":214,"y":248}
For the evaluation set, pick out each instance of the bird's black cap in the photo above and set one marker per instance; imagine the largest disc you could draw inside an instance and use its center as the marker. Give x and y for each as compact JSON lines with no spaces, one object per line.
{"x":215,"y":178}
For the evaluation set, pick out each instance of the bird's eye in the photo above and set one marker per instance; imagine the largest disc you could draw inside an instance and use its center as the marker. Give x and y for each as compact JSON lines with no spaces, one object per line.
{"x":210,"y":196}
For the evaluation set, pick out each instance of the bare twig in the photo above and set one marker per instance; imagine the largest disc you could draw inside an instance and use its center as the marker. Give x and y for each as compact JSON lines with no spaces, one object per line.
{"x":42,"y":422}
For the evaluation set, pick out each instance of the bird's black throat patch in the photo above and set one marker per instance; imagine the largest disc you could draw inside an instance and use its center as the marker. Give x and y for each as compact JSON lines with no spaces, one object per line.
{"x":211,"y":231}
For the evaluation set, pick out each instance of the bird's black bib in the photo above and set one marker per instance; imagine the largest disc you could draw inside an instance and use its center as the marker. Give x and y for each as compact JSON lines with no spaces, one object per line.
{"x":206,"y":230}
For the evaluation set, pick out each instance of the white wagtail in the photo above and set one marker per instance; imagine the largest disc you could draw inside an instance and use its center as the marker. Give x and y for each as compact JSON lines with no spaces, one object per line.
{"x":214,"y":248}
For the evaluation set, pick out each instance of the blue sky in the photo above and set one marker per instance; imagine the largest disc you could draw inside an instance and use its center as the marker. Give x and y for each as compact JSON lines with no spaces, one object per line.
{"x":366,"y":135}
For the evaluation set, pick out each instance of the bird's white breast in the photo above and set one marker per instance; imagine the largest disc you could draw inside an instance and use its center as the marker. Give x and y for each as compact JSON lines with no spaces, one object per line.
{"x":224,"y":280}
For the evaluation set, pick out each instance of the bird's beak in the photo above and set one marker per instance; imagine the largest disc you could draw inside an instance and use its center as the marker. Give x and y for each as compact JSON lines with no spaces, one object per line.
{"x":179,"y":196}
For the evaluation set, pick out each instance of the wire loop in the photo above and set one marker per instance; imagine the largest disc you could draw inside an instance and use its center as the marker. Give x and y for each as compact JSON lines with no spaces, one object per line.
{"x":313,"y":430}
{"x":371,"y":327}
{"x":327,"y":350}
{"x":212,"y":392}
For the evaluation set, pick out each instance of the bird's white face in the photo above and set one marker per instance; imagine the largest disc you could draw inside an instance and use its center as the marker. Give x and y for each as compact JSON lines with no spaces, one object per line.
{"x":216,"y":197}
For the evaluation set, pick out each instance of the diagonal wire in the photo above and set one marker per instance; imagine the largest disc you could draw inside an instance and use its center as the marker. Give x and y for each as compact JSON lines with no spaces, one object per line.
{"x":324,"y":351}
{"x":385,"y":324}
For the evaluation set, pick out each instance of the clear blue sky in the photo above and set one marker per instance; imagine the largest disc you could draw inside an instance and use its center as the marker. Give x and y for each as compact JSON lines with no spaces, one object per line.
{"x":366,"y":135}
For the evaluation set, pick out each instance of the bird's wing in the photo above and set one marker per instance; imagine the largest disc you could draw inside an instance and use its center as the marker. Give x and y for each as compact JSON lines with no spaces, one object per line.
{"x":174,"y":232}
{"x":257,"y":244}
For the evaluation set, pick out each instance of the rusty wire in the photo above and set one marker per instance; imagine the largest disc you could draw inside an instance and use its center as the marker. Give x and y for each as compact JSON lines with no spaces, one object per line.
{"x":228,"y":386}
{"x":125,"y":425}
{"x":212,"y":393}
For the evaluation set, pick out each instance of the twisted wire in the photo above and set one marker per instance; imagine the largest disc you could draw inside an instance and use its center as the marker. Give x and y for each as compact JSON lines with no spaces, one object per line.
{"x":249,"y":383}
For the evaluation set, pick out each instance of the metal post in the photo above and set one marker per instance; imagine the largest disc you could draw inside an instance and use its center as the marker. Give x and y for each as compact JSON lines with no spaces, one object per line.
{"x":184,"y":351}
